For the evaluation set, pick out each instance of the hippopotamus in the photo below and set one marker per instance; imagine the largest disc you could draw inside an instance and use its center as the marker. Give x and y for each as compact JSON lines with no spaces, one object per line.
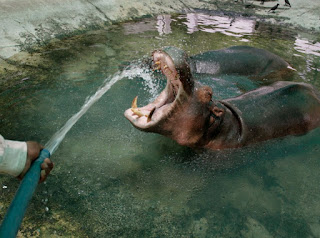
{"x":241,"y":60}
{"x":186,"y":112}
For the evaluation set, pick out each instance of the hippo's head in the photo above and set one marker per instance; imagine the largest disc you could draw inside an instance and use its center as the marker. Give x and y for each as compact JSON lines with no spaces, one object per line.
{"x":184,"y":110}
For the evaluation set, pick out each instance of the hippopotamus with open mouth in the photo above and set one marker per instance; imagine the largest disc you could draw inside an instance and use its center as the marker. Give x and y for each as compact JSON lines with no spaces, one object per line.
{"x":186,"y":112}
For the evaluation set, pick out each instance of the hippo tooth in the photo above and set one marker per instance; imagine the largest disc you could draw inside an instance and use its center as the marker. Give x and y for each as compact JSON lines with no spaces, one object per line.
{"x":135,"y":109}
{"x":134,"y":102}
{"x":169,"y":70}
{"x":137,"y":112}
{"x":150,"y":114}
{"x":157,"y":65}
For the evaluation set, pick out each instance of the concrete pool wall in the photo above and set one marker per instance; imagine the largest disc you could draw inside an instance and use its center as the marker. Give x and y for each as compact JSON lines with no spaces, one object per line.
{"x":25,"y":24}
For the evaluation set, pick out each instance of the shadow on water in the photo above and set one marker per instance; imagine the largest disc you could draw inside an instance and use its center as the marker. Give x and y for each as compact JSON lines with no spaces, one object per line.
{"x":111,"y":180}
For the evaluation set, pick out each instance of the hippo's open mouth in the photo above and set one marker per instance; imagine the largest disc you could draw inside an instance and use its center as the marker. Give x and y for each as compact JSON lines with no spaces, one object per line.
{"x":148,"y":117}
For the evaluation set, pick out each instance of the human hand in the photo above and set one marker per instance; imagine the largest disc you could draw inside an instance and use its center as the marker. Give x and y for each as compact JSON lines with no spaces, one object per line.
{"x":33,"y":151}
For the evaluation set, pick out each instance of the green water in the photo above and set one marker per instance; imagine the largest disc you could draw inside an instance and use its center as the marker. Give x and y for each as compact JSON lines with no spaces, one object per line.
{"x":111,"y":180}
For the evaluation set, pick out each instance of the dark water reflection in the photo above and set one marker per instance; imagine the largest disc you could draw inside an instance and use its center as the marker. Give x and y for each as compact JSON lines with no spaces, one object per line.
{"x":112,"y":180}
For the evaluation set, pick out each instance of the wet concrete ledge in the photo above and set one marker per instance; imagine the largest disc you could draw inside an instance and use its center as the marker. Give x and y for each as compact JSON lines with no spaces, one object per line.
{"x":33,"y":22}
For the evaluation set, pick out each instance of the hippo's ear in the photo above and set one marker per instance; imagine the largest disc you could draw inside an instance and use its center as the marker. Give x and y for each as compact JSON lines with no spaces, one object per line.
{"x":204,"y":94}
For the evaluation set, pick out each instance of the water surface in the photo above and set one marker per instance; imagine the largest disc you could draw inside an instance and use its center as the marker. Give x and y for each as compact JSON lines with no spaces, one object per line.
{"x":111,"y":180}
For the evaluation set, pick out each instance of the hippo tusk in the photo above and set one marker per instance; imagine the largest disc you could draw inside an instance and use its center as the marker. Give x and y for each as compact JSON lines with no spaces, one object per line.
{"x":134,"y":107}
{"x":134,"y":102}
{"x":137,"y":112}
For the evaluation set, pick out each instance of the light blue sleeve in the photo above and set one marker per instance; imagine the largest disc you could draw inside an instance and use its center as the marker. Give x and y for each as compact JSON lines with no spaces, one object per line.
{"x":13,"y":156}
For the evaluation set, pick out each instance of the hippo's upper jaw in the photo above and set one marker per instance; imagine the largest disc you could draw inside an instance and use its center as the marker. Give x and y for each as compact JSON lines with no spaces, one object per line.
{"x":151,"y":116}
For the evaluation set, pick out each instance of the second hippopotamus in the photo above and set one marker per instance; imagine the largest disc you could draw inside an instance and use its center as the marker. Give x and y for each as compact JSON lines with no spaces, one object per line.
{"x":248,"y":61}
{"x":186,"y":111}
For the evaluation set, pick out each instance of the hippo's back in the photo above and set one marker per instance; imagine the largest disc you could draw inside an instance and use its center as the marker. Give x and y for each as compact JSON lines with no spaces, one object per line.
{"x":241,"y":60}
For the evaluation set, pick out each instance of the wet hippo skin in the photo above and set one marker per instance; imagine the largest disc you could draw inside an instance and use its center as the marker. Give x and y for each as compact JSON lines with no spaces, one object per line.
{"x":242,"y":60}
{"x":281,"y":109}
{"x":186,"y":112}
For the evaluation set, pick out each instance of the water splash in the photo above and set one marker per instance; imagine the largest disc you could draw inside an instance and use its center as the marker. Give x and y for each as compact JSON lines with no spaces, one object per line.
{"x":151,"y":85}
{"x":130,"y":72}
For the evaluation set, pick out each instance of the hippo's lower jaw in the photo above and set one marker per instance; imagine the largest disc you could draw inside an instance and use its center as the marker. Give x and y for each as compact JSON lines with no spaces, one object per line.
{"x":149,"y":117}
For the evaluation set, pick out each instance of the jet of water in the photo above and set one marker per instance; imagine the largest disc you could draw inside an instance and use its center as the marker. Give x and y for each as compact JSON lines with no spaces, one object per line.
{"x":130,"y":72}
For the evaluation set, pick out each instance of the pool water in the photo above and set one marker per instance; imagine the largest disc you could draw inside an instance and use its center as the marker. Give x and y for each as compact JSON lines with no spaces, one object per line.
{"x":111,"y":180}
